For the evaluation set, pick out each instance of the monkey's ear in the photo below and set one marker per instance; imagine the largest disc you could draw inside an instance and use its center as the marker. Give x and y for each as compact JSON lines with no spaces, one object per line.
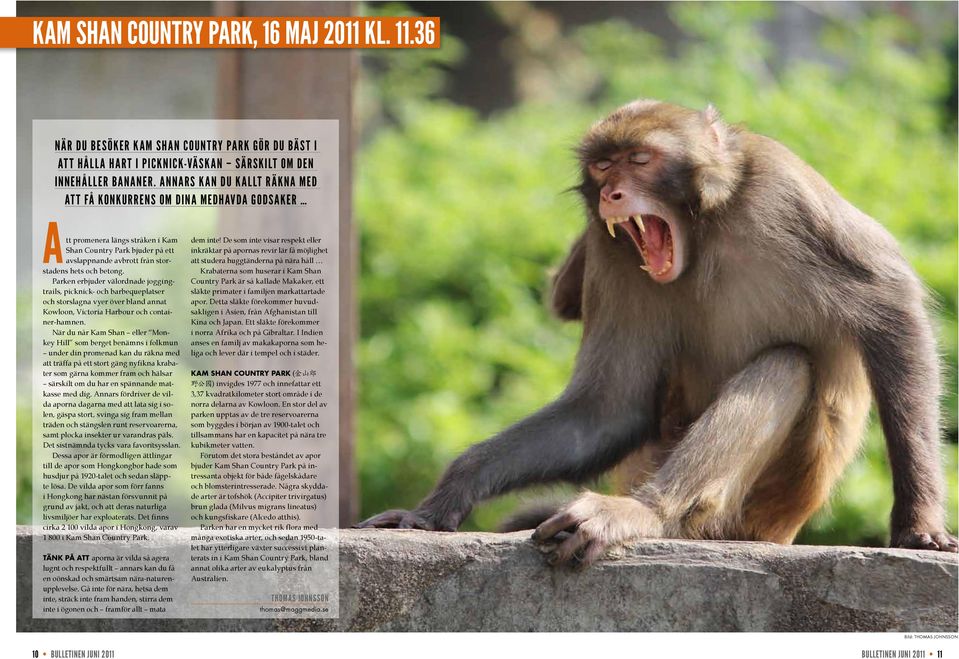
{"x":719,"y":166}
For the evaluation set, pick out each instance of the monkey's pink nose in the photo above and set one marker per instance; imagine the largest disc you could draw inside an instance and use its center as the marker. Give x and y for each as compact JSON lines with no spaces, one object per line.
{"x":610,"y":194}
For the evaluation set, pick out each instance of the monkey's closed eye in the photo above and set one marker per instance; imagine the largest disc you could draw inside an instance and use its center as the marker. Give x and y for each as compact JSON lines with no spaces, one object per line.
{"x":640,"y":157}
{"x":603,"y":165}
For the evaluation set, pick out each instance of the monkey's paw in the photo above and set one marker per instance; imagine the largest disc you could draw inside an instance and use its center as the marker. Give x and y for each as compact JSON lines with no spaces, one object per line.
{"x":917,"y":539}
{"x":594,"y":525}
{"x":403,"y":519}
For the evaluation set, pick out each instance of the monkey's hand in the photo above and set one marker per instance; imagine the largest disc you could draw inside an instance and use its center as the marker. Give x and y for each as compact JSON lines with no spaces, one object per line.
{"x":592,"y":525}
{"x":917,"y":538}
{"x":406,"y":519}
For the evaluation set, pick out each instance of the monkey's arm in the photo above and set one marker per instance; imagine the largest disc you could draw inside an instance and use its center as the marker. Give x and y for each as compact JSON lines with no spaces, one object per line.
{"x":567,"y":295}
{"x":708,"y":475}
{"x":900,"y":354}
{"x":566,"y":440}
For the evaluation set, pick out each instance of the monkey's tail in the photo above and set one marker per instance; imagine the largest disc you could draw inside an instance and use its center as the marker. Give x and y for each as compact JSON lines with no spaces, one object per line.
{"x":529,"y":516}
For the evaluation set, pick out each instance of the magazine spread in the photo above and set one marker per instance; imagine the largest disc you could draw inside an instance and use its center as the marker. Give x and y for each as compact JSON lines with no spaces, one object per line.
{"x":498,"y":316}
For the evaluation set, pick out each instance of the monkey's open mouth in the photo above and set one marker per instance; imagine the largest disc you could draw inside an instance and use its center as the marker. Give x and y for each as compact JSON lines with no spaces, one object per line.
{"x":656,"y":241}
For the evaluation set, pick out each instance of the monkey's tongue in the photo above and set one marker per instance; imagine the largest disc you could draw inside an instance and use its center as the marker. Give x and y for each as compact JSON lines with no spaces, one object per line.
{"x":653,"y":241}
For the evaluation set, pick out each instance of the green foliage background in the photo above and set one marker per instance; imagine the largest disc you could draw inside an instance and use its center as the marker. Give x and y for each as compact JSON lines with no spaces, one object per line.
{"x":461,"y":217}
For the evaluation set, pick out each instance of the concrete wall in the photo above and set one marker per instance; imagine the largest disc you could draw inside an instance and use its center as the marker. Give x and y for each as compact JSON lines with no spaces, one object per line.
{"x":418,"y":581}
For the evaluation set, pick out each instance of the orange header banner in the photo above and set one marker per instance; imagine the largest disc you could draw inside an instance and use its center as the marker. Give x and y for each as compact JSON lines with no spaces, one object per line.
{"x":220,"y":32}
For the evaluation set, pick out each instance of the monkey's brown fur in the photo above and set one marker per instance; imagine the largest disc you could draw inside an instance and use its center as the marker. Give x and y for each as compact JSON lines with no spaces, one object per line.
{"x":731,"y":380}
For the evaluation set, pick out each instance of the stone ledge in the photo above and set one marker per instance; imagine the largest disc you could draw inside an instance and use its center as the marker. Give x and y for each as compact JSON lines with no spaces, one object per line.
{"x":418,"y":581}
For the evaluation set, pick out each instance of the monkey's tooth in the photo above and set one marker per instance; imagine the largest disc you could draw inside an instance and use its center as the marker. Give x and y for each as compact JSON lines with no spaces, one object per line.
{"x":609,"y":227}
{"x":645,"y":268}
{"x":639,"y":223}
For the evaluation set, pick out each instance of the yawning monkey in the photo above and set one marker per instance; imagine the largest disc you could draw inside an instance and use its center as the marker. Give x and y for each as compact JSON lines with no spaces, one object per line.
{"x":738,"y":313}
